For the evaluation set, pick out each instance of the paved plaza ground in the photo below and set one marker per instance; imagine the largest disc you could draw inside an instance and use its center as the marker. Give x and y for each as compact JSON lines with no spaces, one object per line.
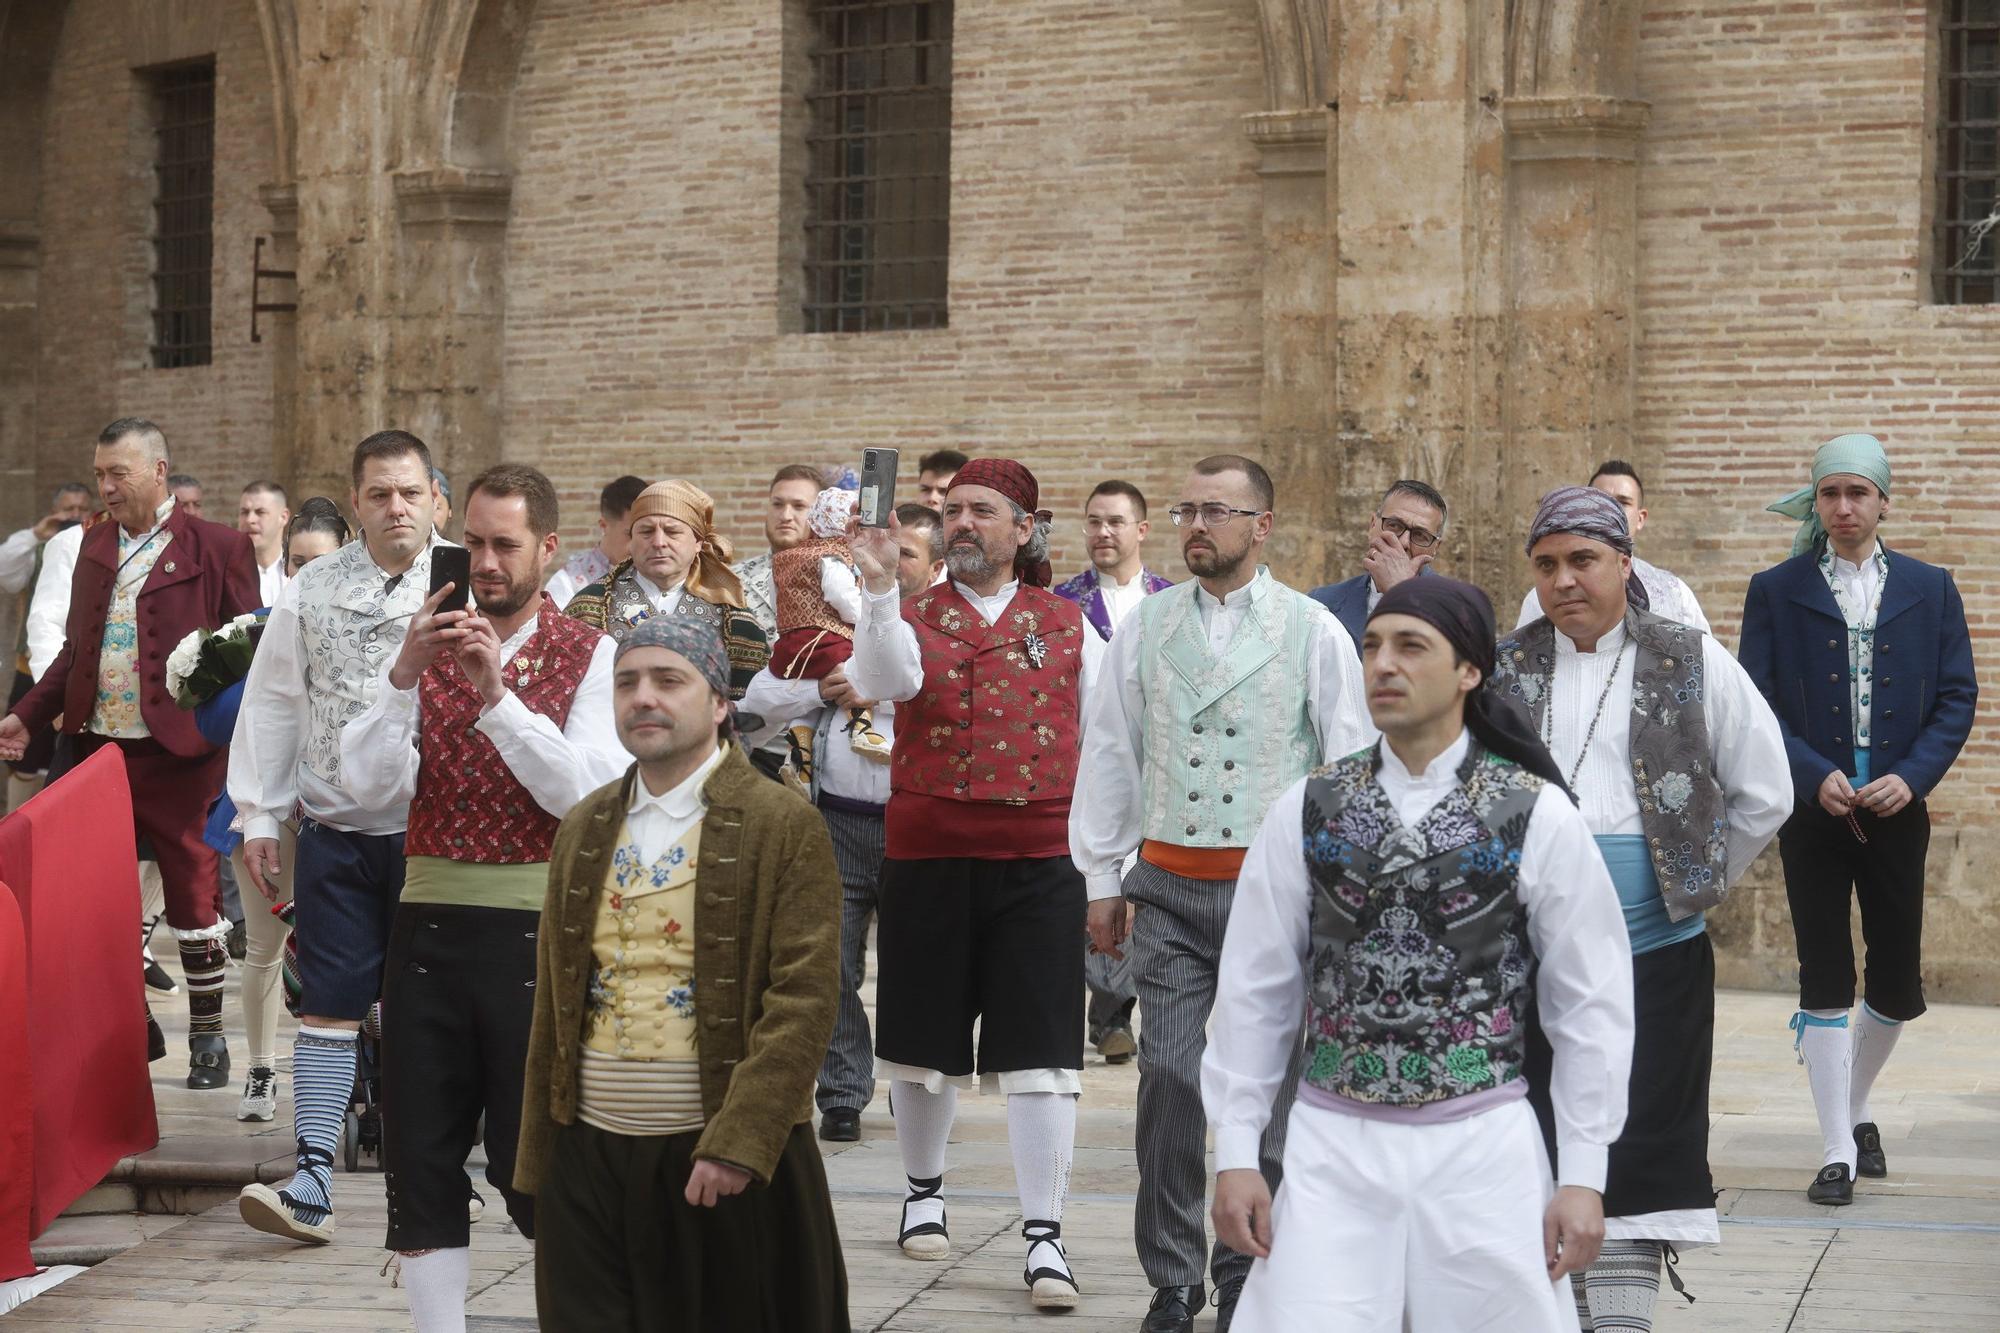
{"x":1917,"y":1253}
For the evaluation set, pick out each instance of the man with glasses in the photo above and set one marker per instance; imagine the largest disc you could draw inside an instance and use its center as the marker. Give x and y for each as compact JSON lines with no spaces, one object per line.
{"x":1403,"y":539}
{"x":1668,"y":595}
{"x":1219,"y":694}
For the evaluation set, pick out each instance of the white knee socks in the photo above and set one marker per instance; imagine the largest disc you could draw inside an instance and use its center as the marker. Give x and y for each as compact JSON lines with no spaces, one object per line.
{"x":1041,"y":1129}
{"x":437,"y":1282}
{"x":1874,"y":1038}
{"x":923,"y":1128}
{"x":1823,"y":1045}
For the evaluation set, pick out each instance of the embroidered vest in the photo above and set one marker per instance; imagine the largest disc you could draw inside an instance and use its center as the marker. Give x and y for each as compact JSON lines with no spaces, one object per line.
{"x":1223,"y":736}
{"x":350,"y":628}
{"x":998,"y":717}
{"x":469,"y":805}
{"x":1421,"y":965}
{"x":619,"y":603}
{"x":639,"y":1004}
{"x":1680,"y":802}
{"x":801,"y":601}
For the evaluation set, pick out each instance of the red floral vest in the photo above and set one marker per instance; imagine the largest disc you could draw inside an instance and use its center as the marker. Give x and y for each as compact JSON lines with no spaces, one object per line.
{"x":999,"y":715}
{"x":469,"y":805}
{"x":796,"y":587}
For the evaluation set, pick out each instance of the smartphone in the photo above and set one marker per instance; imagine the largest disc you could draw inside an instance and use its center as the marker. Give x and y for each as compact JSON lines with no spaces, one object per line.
{"x":877,"y":504}
{"x":453,"y":565}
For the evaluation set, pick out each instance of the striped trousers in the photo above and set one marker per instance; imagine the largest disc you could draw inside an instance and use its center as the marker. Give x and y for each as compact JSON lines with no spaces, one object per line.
{"x":847,"y":1075}
{"x":1175,"y":949}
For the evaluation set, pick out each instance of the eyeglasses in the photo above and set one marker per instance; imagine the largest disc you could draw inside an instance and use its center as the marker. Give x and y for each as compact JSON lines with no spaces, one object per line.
{"x":1211,"y":515}
{"x":1421,"y":538}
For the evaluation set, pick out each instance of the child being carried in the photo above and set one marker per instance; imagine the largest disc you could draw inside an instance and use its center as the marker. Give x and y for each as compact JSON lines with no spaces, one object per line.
{"x":819,"y":598}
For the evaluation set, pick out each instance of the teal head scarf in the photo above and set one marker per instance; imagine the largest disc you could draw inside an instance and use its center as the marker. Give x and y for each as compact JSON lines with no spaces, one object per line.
{"x":1854,"y":455}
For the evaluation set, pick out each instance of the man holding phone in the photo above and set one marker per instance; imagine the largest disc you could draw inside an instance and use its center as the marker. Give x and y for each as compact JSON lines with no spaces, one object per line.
{"x":491,"y":723}
{"x":316,"y":668}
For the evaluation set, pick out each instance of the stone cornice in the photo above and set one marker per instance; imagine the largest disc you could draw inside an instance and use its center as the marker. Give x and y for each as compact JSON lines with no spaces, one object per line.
{"x":436,"y":196}
{"x":1289,"y":143}
{"x":281,"y":201}
{"x":1554,"y":129}
{"x":20,"y":243}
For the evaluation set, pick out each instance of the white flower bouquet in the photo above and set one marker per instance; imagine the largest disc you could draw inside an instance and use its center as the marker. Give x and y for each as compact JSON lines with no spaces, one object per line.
{"x":207,"y":662}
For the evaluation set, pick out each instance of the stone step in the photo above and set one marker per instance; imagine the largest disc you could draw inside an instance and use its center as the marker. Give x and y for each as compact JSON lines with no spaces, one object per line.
{"x":186,"y":1174}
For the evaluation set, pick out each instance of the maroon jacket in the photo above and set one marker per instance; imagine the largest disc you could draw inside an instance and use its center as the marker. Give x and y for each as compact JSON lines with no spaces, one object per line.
{"x":206,"y":577}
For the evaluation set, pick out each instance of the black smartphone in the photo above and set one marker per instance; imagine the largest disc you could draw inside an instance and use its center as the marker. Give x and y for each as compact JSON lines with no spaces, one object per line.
{"x":877,"y":502}
{"x":453,"y":565}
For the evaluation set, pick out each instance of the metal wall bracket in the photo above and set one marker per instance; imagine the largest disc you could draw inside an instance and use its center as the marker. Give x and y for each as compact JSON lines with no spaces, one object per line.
{"x":257,"y":275}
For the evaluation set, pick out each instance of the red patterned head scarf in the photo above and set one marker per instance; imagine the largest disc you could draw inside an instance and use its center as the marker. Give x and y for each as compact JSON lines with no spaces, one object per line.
{"x":1017,"y":484}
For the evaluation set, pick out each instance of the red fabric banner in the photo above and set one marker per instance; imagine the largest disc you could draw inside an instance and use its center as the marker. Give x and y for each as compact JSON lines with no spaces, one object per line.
{"x":69,"y":856}
{"x":17,"y":1126}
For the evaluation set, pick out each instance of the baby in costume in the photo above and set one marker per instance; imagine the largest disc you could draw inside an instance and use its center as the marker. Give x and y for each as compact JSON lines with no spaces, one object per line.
{"x":819,"y":598}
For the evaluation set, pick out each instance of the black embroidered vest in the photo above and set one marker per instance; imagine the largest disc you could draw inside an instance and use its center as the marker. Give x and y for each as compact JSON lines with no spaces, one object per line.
{"x":1680,"y":802}
{"x":1420,"y":962}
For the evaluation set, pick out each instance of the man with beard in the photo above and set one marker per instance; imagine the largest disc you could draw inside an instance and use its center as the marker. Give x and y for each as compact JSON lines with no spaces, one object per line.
{"x":614,"y":542}
{"x":851,"y":793}
{"x":678,"y":566}
{"x":315,"y":671}
{"x":1680,"y":772}
{"x":689,"y":958}
{"x":491,"y":723}
{"x":1216,"y":696}
{"x":981,"y":905}
{"x":1409,"y":903}
{"x":791,"y":497}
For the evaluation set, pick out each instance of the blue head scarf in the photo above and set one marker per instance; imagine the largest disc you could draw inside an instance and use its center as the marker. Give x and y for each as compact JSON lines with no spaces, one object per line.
{"x":1855,"y":455}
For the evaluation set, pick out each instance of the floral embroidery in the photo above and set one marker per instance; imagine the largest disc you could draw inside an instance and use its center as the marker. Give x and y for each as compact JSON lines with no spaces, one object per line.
{"x":1860,"y":641}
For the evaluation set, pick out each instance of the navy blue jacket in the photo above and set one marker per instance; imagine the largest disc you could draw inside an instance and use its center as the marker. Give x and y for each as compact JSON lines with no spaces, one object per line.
{"x":1348,"y":600}
{"x":1795,"y":648}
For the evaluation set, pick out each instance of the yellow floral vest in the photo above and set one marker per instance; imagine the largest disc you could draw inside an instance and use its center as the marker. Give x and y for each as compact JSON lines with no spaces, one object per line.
{"x":641,"y":996}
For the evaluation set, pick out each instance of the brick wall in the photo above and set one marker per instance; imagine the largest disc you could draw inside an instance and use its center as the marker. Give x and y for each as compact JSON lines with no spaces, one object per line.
{"x":1104,"y":269}
{"x":1783,"y":299}
{"x":96,"y":256}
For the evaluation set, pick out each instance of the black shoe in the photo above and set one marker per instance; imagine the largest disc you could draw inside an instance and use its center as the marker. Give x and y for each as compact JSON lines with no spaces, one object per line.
{"x":239,"y":941}
{"x":156,"y":1040}
{"x":208,"y":1061}
{"x":1833,"y":1185}
{"x":1173,"y":1310}
{"x":1225,"y":1303}
{"x":1116,"y":1045}
{"x":1869,"y":1160}
{"x":157,"y":979}
{"x":841,"y":1124}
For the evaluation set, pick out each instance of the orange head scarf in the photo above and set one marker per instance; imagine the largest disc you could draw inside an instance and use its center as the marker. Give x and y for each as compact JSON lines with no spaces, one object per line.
{"x":709,"y":578}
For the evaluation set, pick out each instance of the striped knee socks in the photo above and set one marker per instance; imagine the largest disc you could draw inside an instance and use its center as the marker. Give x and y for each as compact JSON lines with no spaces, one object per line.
{"x":203,"y":962}
{"x":322,"y":1084}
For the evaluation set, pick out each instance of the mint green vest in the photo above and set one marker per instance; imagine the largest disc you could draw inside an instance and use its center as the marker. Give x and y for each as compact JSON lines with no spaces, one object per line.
{"x":1223,"y":736}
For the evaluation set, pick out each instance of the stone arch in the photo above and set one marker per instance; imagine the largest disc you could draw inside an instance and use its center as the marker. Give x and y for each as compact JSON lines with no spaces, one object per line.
{"x":1572,"y":48}
{"x":465,"y":57}
{"x":1296,"y":37}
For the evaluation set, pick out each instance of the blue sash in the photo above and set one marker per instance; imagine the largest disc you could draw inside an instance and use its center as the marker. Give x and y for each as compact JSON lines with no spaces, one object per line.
{"x":1860,"y":769}
{"x":1631,"y":865}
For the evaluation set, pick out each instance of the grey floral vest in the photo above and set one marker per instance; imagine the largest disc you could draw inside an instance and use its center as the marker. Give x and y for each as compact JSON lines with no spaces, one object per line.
{"x":1421,"y":964}
{"x":1680,"y":802}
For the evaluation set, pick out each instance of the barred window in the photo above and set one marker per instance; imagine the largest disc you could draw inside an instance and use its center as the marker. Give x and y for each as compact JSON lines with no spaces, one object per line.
{"x":878,"y":174}
{"x":183,"y":105}
{"x":1968,"y":176}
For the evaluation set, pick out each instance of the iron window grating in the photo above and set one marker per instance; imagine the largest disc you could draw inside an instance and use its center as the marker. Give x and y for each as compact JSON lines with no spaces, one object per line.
{"x":183,"y":98}
{"x":1968,"y":175}
{"x":878,"y":173}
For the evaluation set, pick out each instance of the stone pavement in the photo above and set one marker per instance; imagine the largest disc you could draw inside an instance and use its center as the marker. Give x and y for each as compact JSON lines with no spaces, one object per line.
{"x":1915,"y":1254}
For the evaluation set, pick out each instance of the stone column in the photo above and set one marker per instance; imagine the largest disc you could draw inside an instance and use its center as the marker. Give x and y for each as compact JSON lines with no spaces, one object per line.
{"x":446,"y":339}
{"x":281,"y":331}
{"x":20,"y":261}
{"x":1295,"y":168}
{"x":1571,"y":264}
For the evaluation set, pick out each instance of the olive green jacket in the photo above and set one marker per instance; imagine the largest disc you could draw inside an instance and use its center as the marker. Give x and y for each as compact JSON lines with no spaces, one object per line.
{"x":767,"y":965}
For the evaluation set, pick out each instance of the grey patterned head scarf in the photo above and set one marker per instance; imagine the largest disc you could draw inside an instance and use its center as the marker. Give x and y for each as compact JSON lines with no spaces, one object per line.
{"x":1588,"y":512}
{"x":695,"y":639}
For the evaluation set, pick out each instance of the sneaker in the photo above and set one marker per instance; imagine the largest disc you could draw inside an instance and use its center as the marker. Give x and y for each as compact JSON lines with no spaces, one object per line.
{"x":273,"y":1213}
{"x":158,"y":980}
{"x":260,"y":1095}
{"x":1117,"y":1045}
